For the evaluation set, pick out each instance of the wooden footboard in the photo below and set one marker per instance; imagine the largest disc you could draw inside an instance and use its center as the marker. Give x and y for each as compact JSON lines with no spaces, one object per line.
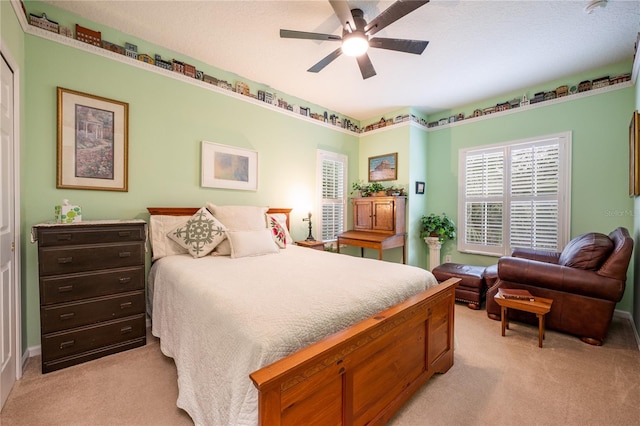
{"x":364,"y":374}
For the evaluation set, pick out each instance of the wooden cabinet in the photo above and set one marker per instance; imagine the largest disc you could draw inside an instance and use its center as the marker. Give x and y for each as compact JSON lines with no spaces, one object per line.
{"x":379,"y":214}
{"x":378,"y":223}
{"x":92,"y":290}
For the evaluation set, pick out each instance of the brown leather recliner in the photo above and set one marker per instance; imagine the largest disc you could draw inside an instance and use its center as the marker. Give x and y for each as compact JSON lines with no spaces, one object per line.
{"x":585,"y":281}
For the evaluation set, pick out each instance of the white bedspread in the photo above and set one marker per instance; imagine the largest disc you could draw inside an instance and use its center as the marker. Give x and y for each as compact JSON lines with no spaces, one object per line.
{"x":222,"y":318}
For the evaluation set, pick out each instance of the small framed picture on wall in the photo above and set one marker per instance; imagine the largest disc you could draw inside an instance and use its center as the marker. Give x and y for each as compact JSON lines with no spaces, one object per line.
{"x":419,"y":187}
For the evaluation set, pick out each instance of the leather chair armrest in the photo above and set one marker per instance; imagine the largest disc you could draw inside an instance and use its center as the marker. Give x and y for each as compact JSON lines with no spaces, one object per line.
{"x":582,"y":282}
{"x":539,"y":255}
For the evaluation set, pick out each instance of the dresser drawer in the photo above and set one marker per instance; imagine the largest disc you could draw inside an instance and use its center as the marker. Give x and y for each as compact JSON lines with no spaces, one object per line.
{"x":67,"y":288}
{"x":58,"y":345}
{"x":63,"y":260}
{"x":76,"y":314}
{"x":78,"y":234}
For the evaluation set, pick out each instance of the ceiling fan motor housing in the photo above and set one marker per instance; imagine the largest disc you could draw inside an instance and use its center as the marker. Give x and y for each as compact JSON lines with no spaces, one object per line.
{"x":358,"y":21}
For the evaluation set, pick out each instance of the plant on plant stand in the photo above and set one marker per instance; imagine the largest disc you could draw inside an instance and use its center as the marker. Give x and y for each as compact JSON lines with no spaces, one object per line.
{"x":436,"y":229}
{"x":439,"y":226}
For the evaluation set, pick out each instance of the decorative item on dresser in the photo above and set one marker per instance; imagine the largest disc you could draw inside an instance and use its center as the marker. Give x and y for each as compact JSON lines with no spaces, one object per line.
{"x":92,"y":290}
{"x":378,"y":223}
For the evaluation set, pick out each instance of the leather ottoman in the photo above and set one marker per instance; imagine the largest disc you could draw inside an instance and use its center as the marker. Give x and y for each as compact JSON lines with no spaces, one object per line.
{"x":472,"y":288}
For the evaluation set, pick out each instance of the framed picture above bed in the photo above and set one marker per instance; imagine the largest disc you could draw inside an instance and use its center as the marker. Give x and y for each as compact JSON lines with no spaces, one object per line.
{"x":92,"y":142}
{"x":229,"y":167}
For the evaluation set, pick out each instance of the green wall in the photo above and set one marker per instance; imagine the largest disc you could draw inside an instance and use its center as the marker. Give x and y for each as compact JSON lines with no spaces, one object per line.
{"x":599,"y":175}
{"x":168,"y":119}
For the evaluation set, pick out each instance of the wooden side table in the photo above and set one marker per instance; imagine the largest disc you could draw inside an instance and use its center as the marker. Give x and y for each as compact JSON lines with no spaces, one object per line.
{"x":540,"y":306}
{"x":317,"y":245}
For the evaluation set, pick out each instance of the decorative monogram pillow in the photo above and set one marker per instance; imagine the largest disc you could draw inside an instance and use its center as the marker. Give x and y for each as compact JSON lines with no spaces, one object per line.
{"x":278,"y":232}
{"x":200,"y":235}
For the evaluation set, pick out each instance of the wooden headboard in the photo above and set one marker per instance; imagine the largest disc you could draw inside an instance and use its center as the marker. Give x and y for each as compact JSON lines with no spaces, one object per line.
{"x":188,"y":211}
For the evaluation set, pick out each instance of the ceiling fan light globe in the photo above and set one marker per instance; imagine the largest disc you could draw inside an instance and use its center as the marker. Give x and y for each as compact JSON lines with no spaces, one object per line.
{"x":354,"y":45}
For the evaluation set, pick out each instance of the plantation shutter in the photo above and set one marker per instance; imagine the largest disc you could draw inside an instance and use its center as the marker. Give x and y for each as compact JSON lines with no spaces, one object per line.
{"x":515,"y":195}
{"x":484,"y":198}
{"x":332,"y":195}
{"x":535,"y":174}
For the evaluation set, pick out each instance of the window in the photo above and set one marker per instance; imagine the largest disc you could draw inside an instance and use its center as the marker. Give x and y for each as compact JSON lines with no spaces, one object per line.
{"x":515,"y":195}
{"x":332,"y":169}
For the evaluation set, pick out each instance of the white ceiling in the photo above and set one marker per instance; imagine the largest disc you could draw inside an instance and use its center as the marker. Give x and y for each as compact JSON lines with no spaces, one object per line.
{"x":477,"y":50}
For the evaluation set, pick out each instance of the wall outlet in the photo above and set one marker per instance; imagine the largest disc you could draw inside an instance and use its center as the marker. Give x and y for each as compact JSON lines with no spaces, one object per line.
{"x":447,"y":259}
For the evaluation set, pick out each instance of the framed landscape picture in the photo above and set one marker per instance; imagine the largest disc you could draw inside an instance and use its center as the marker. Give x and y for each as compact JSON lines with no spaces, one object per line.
{"x":383,"y":167}
{"x":92,"y":150}
{"x":225,"y":166}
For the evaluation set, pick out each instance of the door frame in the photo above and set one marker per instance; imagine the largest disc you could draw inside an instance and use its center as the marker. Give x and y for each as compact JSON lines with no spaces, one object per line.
{"x":13,"y":64}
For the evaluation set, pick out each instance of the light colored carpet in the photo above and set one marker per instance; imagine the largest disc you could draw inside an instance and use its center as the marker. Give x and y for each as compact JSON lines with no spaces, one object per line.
{"x":494,"y":381}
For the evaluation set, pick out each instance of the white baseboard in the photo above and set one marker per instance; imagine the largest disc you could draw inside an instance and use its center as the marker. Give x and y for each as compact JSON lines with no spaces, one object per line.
{"x":31,"y":351}
{"x":628,"y":316}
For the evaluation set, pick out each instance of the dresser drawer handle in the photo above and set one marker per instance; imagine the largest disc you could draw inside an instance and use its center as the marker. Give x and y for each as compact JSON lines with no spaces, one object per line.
{"x":125,"y":305}
{"x":124,"y":233}
{"x":125,"y":280}
{"x":64,"y":237}
{"x":125,"y":254}
{"x":65,"y":288}
{"x":125,"y":330}
{"x":67,"y":316}
{"x":63,"y":260}
{"x":67,"y":344}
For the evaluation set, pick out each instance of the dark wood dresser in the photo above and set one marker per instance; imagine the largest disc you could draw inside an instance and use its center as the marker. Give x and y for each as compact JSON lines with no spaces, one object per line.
{"x":92,"y":290}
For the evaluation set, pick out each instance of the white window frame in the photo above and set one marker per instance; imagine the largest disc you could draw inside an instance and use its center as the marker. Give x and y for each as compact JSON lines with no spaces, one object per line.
{"x":323,"y":156}
{"x":564,"y":194}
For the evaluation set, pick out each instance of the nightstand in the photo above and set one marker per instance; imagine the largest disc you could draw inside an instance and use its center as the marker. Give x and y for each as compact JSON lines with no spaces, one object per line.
{"x":317,"y":245}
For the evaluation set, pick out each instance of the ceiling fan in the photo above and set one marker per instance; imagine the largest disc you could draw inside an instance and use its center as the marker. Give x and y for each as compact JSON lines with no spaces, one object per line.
{"x":356,"y":34}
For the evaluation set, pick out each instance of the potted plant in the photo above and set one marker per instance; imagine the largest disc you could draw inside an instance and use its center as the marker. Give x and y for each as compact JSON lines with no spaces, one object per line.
{"x":372,"y":189}
{"x":437,"y":226}
{"x":376,"y":189}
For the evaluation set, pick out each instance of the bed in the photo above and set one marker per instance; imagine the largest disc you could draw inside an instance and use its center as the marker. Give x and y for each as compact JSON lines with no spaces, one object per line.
{"x":295,"y":335}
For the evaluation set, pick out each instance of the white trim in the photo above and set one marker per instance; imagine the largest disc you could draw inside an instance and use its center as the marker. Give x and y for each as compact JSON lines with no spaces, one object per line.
{"x":39,"y":32}
{"x":627,"y":315}
{"x":67,"y":41}
{"x":17,"y":8}
{"x":6,"y":53}
{"x":537,"y":105}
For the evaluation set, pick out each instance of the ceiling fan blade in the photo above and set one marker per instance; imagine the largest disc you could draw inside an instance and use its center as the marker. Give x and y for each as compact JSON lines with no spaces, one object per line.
{"x":366,"y":67}
{"x":392,"y":14}
{"x":309,"y":36}
{"x":343,"y":12}
{"x":401,"y":45}
{"x":326,"y":60}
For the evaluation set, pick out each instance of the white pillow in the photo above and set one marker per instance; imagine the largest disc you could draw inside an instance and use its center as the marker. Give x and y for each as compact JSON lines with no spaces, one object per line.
{"x":200,"y":234}
{"x":161,"y":244}
{"x":277,"y":232}
{"x":240,"y":218}
{"x":222,"y":249}
{"x":251,"y":243}
{"x":282,"y":220}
